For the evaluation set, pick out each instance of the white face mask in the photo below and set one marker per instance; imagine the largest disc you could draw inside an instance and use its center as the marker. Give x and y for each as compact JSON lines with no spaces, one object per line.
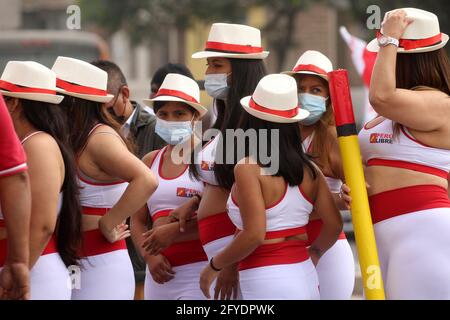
{"x":216,"y":85}
{"x":173,"y":132}
{"x":316,"y":105}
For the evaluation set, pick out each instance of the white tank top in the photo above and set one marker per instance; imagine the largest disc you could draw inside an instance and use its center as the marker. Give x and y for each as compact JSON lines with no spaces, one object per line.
{"x":334,"y":184}
{"x":207,"y":158}
{"x":379,"y":147}
{"x":171,"y":193}
{"x":290,"y":212}
{"x":98,"y":194}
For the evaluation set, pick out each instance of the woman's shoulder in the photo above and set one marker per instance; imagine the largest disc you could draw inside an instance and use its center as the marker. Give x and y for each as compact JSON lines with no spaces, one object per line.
{"x":150,"y":157}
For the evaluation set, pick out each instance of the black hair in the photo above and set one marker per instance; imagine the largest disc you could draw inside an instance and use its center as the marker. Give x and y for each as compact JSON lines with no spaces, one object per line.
{"x":84,"y":115}
{"x":50,"y":119}
{"x":162,"y":72}
{"x":246,"y":73}
{"x":292,"y":159}
{"x":116,"y":78}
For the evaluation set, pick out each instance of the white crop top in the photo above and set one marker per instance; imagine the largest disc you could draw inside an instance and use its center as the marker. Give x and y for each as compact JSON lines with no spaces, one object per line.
{"x":171,"y":193}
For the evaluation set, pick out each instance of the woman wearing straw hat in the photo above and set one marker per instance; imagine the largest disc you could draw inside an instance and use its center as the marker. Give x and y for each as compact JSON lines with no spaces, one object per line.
{"x":30,"y":93}
{"x":234,"y":58}
{"x":114,"y":183}
{"x":336,"y":269}
{"x":271,"y":210}
{"x":406,"y":150}
{"x":172,"y":274}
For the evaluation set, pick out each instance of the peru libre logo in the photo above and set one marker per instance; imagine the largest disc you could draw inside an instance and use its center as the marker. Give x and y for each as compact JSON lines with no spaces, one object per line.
{"x":381,"y":138}
{"x":206,"y":166}
{"x":186,"y":193}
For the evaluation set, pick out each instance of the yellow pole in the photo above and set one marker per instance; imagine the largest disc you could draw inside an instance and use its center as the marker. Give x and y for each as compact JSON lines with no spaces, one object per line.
{"x":354,"y":177}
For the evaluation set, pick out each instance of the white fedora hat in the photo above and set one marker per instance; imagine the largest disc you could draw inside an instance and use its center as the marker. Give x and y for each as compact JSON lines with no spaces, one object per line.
{"x":29,"y":80}
{"x":422,"y":35}
{"x":82,"y":80}
{"x":179,"y":88}
{"x":276,"y":100}
{"x":314,"y":63}
{"x":238,"y":41}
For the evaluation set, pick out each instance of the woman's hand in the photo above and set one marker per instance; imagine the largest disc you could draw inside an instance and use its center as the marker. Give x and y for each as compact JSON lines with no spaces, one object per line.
{"x":395,"y":23}
{"x":159,"y":238}
{"x":227,"y":284}
{"x":207,"y":276}
{"x":117,"y":233}
{"x":184,"y":212}
{"x":160,"y":268}
{"x":15,"y":282}
{"x":345,"y":194}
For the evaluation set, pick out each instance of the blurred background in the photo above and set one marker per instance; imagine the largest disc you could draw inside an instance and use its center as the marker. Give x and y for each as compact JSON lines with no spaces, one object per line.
{"x":142,"y":35}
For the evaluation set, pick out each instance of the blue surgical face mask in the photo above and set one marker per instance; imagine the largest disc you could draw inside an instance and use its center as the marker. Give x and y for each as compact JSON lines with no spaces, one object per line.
{"x":173,"y":132}
{"x":316,"y":105}
{"x":216,"y":85}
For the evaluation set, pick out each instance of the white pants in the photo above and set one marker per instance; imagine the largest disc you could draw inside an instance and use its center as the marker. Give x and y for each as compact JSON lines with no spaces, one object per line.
{"x":184,"y":286}
{"x":107,"y":276}
{"x":414,"y":252}
{"x":336,"y":271}
{"x":49,"y":279}
{"x":297,"y":281}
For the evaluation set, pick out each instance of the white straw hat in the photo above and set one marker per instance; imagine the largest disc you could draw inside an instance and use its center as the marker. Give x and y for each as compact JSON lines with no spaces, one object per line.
{"x":82,"y":80}
{"x":422,"y":35}
{"x":233,"y":41}
{"x":179,"y":88}
{"x":29,"y":80}
{"x":276,"y":100}
{"x":314,"y":63}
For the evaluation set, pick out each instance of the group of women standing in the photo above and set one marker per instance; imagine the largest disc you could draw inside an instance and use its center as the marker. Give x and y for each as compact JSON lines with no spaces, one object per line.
{"x":229,"y":229}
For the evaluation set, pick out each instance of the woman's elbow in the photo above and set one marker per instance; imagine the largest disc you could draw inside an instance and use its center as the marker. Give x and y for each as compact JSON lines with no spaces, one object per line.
{"x":147,"y":183}
{"x":256,"y":238}
{"x":378,"y":101}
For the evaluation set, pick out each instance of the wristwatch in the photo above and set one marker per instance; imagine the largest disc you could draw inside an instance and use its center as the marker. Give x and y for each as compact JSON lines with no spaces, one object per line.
{"x":384,"y":41}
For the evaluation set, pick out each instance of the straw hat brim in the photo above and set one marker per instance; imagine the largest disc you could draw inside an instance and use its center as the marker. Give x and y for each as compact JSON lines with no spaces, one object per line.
{"x":201,"y":109}
{"x":292,"y":73}
{"x":374,"y":47}
{"x":90,"y":97}
{"x":245,"y":102}
{"x":216,"y":54}
{"x":42,"y":97}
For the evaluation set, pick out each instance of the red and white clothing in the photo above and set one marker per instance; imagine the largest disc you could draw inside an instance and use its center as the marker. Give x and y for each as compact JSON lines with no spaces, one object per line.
{"x":215,"y":231}
{"x":106,"y":271}
{"x":12,"y":155}
{"x":49,"y":277}
{"x":280,"y":270}
{"x":336,"y":268}
{"x":411,"y":224}
{"x":186,"y":258}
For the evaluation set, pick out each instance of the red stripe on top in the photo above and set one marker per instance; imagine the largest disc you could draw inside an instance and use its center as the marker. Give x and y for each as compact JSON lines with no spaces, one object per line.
{"x":313,"y":229}
{"x":95,"y":243}
{"x":287,"y":252}
{"x":75,"y":88}
{"x":221,"y":46}
{"x":409,"y":136}
{"x":408,"y":165}
{"x":281,"y":113}
{"x":95,"y":211}
{"x":311,"y":68}
{"x":186,"y":252}
{"x":92,"y":183}
{"x":160,"y":214}
{"x":215,"y":227}
{"x":402,"y":201}
{"x":5,"y":85}
{"x":176,"y":93}
{"x":161,"y":160}
{"x":410,"y":44}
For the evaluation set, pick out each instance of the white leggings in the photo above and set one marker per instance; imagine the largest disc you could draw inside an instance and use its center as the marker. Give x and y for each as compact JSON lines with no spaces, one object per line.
{"x":212,"y":249}
{"x":336,"y":271}
{"x":296,"y":281}
{"x":414,"y":252}
{"x":49,"y":279}
{"x":107,"y":276}
{"x":184,"y":286}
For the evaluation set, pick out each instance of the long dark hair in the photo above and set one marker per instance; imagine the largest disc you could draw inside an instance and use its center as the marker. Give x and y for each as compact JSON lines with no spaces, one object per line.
{"x":246,"y":73}
{"x":50,"y":119}
{"x":423,"y":71}
{"x":292,"y":159}
{"x":82,"y":116}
